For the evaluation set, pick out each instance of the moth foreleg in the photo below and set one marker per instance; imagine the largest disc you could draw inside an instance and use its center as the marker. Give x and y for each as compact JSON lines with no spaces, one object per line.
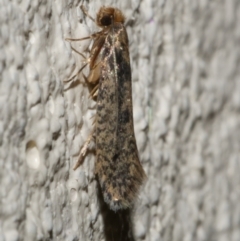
{"x":83,"y":151}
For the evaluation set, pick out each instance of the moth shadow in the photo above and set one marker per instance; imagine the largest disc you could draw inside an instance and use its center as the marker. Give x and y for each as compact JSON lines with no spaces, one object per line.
{"x":117,"y":225}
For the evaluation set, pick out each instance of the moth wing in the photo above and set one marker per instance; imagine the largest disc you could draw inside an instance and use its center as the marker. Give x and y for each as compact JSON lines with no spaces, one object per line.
{"x":118,"y":167}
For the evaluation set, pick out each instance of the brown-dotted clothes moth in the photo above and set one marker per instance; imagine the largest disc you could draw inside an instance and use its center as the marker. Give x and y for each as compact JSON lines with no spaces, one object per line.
{"x":117,"y":167}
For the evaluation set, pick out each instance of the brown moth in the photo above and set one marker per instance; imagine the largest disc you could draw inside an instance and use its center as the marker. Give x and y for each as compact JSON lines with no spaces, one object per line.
{"x":117,"y":167}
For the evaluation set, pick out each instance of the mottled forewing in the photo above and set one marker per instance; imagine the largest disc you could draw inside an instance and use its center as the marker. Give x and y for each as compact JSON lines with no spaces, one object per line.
{"x":118,"y":168}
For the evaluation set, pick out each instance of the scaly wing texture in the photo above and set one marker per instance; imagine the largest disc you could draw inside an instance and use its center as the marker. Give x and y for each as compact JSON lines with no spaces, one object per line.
{"x":118,"y":168}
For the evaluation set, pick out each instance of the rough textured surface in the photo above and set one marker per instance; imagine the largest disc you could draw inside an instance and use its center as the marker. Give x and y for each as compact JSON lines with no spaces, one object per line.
{"x":185,"y":59}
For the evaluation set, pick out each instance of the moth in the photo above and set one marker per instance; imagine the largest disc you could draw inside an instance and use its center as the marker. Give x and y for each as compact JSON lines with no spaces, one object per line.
{"x":117,"y":167}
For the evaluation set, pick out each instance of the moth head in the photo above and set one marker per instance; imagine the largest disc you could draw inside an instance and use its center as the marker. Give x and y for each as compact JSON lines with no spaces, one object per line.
{"x":107,"y":16}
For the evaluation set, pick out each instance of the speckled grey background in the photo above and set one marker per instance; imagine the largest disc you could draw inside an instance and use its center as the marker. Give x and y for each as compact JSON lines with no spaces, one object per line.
{"x":185,"y":58}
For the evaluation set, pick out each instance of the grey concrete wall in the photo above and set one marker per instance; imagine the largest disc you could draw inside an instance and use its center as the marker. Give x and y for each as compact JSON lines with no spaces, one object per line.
{"x":186,"y":90}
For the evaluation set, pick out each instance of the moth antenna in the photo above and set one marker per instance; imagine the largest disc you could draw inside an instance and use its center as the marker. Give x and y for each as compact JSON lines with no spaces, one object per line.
{"x":84,"y":10}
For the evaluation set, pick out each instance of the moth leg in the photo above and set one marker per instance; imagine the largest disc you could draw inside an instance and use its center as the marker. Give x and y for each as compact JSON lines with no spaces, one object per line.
{"x":78,"y":39}
{"x":74,"y":76}
{"x":94,"y":92}
{"x":95,"y":73}
{"x":79,"y":53}
{"x":93,"y":80}
{"x":83,"y":151}
{"x":94,"y":35}
{"x":87,"y":61}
